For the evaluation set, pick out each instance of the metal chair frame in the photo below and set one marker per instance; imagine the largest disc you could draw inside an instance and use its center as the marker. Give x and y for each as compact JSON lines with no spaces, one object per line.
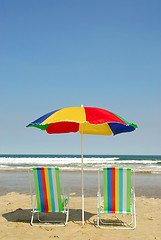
{"x":34,"y":207}
{"x":100,"y":211}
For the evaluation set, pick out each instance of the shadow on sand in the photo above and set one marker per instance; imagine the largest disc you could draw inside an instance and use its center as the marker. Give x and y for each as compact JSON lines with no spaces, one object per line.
{"x":24,"y":215}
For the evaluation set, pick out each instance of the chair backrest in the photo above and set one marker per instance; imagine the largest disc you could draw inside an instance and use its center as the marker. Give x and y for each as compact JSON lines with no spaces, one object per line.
{"x":117,"y":190}
{"x":47,"y":187}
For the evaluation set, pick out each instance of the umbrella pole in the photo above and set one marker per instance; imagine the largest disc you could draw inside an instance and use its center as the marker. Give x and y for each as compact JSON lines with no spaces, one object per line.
{"x":82,"y":175}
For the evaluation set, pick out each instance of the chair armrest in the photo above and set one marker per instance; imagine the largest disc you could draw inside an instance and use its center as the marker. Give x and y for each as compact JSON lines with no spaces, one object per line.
{"x":32,"y":194}
{"x":133,"y":194}
{"x":66,"y":200}
{"x":99,"y":199}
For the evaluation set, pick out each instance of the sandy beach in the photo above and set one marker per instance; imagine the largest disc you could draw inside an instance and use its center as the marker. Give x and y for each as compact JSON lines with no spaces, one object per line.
{"x":15,"y":214}
{"x":15,"y":210}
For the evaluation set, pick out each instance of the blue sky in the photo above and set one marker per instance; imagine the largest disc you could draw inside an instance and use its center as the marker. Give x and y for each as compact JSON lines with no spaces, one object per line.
{"x":57,"y":54}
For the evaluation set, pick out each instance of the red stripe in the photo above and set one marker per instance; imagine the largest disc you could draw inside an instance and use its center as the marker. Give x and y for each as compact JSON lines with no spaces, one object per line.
{"x":100,"y":116}
{"x":63,"y":127}
{"x":113,"y":189}
{"x":44,"y":189}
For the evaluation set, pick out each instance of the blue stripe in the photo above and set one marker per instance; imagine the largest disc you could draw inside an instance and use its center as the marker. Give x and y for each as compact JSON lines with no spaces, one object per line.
{"x":41,"y":190}
{"x":120,"y":190}
{"x":109,"y":189}
{"x":51,"y":189}
{"x":43,"y":118}
{"x":120,"y":128}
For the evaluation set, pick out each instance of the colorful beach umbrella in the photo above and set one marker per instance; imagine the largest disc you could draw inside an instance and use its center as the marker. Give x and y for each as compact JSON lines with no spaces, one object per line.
{"x":85,"y":120}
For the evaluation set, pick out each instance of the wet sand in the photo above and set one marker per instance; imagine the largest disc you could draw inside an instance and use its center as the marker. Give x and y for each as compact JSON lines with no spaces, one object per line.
{"x":146,"y":184}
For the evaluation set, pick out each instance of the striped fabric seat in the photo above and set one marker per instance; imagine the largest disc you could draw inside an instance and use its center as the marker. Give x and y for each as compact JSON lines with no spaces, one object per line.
{"x":47,"y":188}
{"x":119,"y":197}
{"x":117,"y":190}
{"x":48,"y":194}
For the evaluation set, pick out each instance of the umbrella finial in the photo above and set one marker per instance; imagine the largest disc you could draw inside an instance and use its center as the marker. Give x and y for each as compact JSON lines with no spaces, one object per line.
{"x":81,"y":105}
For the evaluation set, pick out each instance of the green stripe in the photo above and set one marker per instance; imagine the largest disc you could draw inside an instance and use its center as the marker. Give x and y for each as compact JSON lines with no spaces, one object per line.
{"x":105,"y":189}
{"x":42,"y":127}
{"x":128,"y":189}
{"x":132,"y":124}
{"x":37,"y":189}
{"x":58,"y":189}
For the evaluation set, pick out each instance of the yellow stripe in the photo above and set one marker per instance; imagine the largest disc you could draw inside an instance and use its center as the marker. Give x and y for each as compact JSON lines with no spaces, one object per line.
{"x":48,"y":189}
{"x":71,"y":114}
{"x":117,"y":190}
{"x":101,"y":129}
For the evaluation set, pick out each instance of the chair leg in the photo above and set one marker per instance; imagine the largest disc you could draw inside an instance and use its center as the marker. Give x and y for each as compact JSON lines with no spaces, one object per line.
{"x":67,"y":217}
{"x":53,"y":225}
{"x":123,"y":224}
{"x":32,"y":218}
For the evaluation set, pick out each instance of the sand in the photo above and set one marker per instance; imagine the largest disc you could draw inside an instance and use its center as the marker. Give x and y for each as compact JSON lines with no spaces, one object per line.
{"x":15,"y":214}
{"x":146,"y":184}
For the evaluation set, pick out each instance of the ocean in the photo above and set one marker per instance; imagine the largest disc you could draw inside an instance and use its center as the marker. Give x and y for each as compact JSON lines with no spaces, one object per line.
{"x":140,"y":163}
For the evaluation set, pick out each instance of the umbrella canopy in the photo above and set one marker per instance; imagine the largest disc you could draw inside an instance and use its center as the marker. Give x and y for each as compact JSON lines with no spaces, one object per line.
{"x":95,"y":121}
{"x":85,"y":120}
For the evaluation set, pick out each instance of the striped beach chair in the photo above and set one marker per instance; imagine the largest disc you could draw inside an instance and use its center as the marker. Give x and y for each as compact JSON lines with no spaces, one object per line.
{"x":119,"y":197}
{"x":48,"y":195}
